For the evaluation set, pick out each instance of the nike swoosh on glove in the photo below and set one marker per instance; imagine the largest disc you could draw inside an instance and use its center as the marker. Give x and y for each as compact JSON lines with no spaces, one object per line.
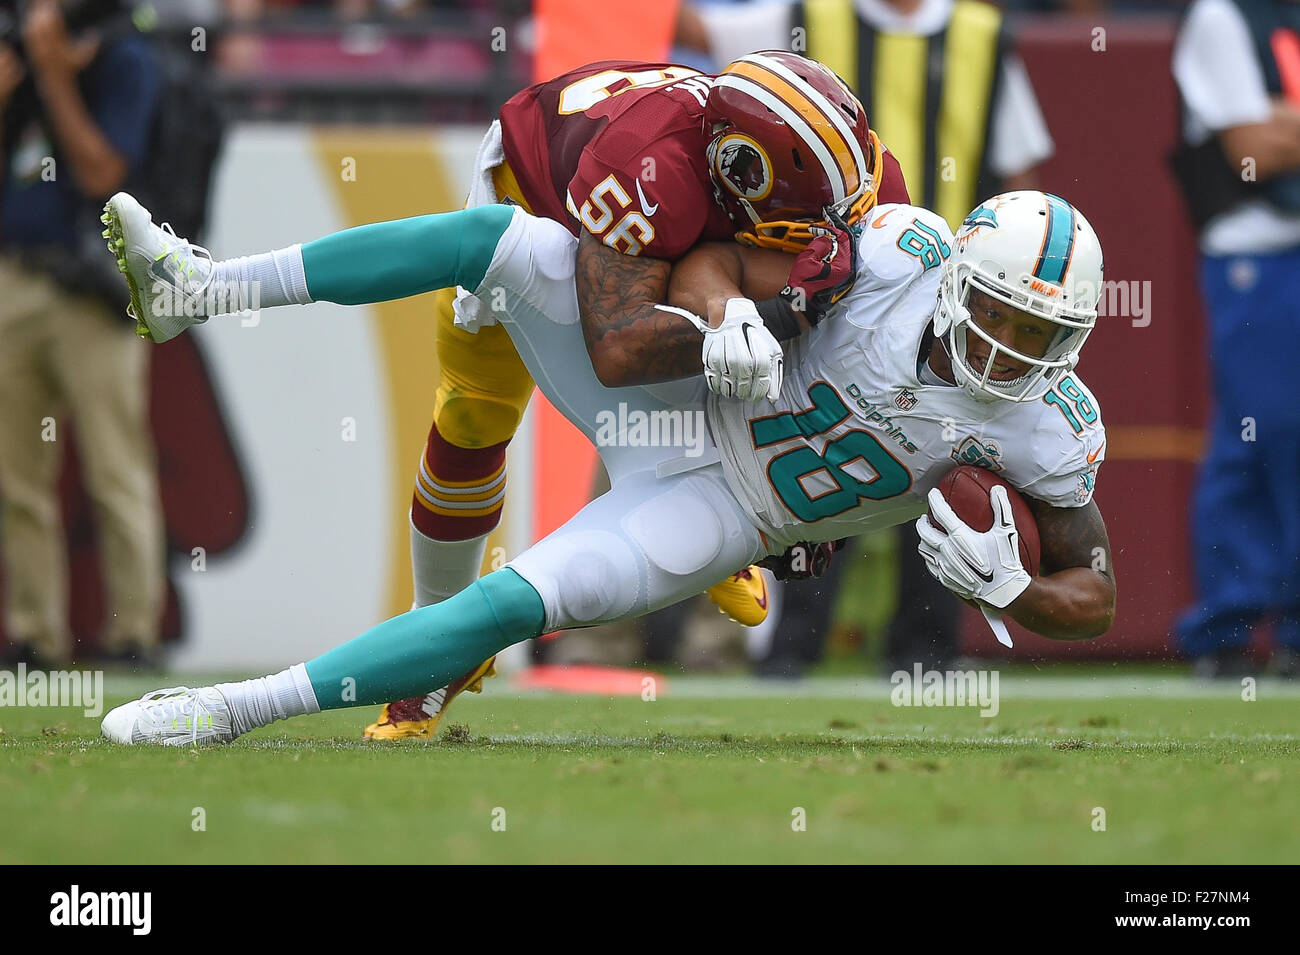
{"x":975,"y":565}
{"x":742,"y":359}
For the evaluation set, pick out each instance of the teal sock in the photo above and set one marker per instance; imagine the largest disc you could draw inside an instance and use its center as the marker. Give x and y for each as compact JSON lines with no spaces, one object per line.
{"x":389,"y":260}
{"x":427,"y":648}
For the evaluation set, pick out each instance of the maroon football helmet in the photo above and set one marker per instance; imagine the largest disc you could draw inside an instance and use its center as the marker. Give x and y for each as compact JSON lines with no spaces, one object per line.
{"x":789,"y":139}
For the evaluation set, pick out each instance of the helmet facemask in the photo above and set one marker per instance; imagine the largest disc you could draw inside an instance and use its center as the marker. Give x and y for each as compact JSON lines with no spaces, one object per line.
{"x":792,"y":235}
{"x":953,"y":318}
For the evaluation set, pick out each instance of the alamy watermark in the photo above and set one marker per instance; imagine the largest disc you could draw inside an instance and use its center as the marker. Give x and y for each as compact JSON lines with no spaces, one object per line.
{"x":636,"y":428}
{"x":946,"y":688}
{"x":215,"y":298}
{"x":1122,"y":299}
{"x":127,"y":909}
{"x":83,"y":688}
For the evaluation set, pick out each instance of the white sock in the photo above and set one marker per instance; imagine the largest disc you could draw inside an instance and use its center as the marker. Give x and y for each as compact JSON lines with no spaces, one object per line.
{"x":255,"y":703}
{"x":442,"y":569}
{"x":270,"y":278}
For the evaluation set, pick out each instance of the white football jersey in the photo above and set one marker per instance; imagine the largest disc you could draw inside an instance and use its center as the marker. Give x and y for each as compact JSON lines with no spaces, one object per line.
{"x":856,"y":439}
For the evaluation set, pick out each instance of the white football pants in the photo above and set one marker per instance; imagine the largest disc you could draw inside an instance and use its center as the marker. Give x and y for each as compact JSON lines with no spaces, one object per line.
{"x":670,"y":526}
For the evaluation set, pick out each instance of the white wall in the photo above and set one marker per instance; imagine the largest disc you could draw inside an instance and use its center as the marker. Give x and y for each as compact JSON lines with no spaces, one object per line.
{"x":310,"y":572}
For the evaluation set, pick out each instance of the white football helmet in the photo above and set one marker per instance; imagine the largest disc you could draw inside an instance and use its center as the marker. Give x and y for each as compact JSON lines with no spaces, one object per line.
{"x":1035,"y":252}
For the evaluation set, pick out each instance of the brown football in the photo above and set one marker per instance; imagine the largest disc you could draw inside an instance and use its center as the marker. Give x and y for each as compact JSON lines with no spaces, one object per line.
{"x":966,"y":489}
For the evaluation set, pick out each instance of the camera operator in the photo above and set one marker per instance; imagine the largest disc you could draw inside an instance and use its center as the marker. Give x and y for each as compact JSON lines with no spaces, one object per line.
{"x":79,"y":88}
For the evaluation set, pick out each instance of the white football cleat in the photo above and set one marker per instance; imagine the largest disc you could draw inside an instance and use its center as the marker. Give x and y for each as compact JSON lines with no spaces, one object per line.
{"x":177,"y":716}
{"x":167,"y":276}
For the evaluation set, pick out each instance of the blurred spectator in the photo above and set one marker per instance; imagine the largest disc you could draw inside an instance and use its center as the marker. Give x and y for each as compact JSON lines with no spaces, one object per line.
{"x":1058,"y":6}
{"x":1237,"y":65}
{"x":950,"y":99}
{"x":182,"y":14}
{"x":374,"y":61}
{"x":990,"y":148}
{"x":77,"y":97}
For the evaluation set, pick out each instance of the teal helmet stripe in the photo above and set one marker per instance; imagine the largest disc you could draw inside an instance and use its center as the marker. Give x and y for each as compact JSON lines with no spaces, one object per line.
{"x":1058,"y":241}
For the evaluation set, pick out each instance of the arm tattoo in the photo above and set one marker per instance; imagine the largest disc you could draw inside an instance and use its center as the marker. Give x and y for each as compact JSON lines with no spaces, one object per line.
{"x":616,"y":298}
{"x":1072,"y":537}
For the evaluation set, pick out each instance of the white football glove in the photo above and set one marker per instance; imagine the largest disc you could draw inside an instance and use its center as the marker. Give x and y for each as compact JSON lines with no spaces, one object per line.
{"x":742,"y":359}
{"x":983,"y":566}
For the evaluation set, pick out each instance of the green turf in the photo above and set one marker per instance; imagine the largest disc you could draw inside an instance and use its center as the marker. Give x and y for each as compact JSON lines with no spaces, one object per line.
{"x":710,"y":772}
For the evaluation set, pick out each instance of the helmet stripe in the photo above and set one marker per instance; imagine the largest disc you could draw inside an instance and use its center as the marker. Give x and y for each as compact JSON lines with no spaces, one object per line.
{"x":1058,"y":241}
{"x":819,"y":122}
{"x":818,"y":99}
{"x":795,"y":121}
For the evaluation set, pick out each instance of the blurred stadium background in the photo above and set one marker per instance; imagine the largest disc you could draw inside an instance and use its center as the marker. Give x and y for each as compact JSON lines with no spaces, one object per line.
{"x":288,"y":445}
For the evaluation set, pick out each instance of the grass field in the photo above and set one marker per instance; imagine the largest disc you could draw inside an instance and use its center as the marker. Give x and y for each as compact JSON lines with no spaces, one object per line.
{"x":712,"y":771}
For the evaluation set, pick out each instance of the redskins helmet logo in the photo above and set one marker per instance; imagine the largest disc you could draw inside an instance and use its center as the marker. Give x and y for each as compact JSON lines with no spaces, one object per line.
{"x":741,"y":163}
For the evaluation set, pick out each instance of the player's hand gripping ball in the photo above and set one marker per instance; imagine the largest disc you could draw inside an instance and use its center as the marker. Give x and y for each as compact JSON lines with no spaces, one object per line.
{"x":980,"y":539}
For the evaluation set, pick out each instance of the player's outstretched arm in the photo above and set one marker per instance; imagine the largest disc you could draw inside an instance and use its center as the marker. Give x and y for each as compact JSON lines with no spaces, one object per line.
{"x":1074,"y":596}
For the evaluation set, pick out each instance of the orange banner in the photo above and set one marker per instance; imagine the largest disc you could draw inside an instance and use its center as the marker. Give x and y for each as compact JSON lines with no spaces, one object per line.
{"x":573,"y":32}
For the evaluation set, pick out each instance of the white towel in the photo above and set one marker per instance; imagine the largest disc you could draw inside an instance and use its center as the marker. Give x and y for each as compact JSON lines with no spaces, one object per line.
{"x":482,"y":192}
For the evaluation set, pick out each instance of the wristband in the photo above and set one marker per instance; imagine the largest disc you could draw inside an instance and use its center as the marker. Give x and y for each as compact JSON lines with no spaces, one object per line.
{"x":780,"y":318}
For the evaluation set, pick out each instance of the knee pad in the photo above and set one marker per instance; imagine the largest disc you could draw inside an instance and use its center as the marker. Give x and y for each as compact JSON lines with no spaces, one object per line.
{"x":483,"y":385}
{"x":583,"y":577}
{"x":474,"y":421}
{"x":676,"y":531}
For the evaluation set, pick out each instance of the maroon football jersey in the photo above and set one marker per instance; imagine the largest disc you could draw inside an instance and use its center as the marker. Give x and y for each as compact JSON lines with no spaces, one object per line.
{"x":618,"y":148}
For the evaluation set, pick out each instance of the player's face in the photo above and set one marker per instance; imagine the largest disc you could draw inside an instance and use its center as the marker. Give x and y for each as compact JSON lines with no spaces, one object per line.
{"x":1008,"y":326}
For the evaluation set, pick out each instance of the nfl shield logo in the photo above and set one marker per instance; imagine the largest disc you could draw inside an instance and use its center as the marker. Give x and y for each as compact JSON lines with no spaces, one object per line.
{"x":906,"y":401}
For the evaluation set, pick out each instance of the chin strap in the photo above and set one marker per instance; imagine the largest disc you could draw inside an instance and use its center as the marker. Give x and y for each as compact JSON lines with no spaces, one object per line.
{"x":943,"y":343}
